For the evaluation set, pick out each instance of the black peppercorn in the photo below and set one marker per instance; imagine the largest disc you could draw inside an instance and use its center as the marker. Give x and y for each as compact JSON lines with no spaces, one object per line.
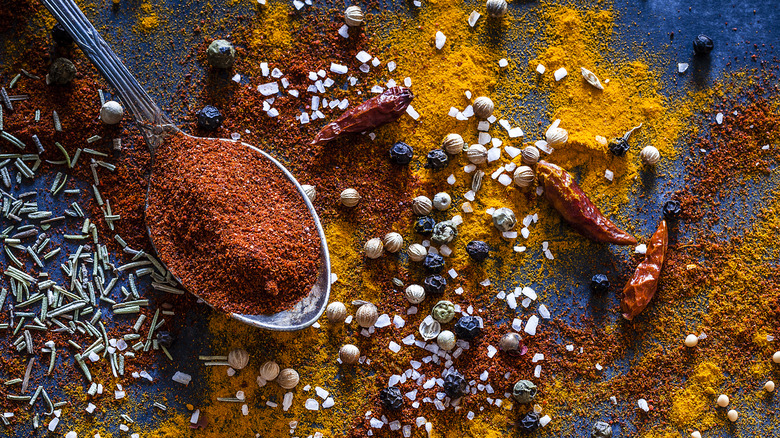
{"x":478,"y":250}
{"x":437,"y":159}
{"x":209,"y":118}
{"x":165,"y":338}
{"x":434,"y":284}
{"x":391,"y":397}
{"x":454,"y":385}
{"x":530,"y":422}
{"x":599,"y":283}
{"x":467,"y":327}
{"x":601,"y":430}
{"x":703,"y":45}
{"x":401,"y":153}
{"x":671,"y":210}
{"x":424,"y":226}
{"x":61,"y":36}
{"x":433,"y":263}
{"x":618,"y":146}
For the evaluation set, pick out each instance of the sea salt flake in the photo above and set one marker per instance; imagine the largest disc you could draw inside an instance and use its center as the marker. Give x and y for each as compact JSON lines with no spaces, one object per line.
{"x":398,"y":322}
{"x":473,"y":17}
{"x":530,"y":293}
{"x":512,"y":152}
{"x":440,"y":40}
{"x":382,"y":321}
{"x":321,"y":393}
{"x":287,"y":401}
{"x":483,"y":138}
{"x":544,"y":421}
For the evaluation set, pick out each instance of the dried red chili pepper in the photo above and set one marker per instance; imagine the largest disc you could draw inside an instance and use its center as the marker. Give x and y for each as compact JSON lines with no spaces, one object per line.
{"x":571,"y":202}
{"x":372,"y":113}
{"x":642,"y":286}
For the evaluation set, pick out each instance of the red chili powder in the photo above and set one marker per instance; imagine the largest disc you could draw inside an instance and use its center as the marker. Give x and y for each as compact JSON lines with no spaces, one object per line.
{"x":229,"y":224}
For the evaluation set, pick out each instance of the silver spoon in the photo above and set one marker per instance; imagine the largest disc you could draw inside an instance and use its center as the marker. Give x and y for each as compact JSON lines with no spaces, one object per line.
{"x":156,"y":126}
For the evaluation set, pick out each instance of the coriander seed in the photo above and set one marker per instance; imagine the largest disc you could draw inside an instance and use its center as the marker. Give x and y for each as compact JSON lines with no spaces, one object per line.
{"x":238,"y":359}
{"x":366,"y":315}
{"x":530,"y":155}
{"x":416,"y":252}
{"x":269,"y":370}
{"x":650,"y":155}
{"x":496,"y":8}
{"x":111,"y":112}
{"x":349,"y":354}
{"x":309,"y":191}
{"x":374,"y":248}
{"x":336,"y":312}
{"x":477,"y":154}
{"x":483,"y":107}
{"x":415,"y":293}
{"x":556,"y":136}
{"x":288,"y":378}
{"x":453,"y":144}
{"x":353,"y":16}
{"x":422,"y":205}
{"x":393,"y":242}
{"x":350,"y":197}
{"x":524,"y":176}
{"x":221,"y":54}
{"x":446,"y":340}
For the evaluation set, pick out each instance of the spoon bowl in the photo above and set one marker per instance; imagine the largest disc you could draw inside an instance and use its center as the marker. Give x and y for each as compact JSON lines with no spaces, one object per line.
{"x":156,"y":127}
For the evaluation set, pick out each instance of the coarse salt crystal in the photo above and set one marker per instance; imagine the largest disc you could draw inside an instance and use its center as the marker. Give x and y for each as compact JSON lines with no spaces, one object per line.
{"x":440,"y":40}
{"x":506,"y":180}
{"x":512,"y":152}
{"x":544,"y":421}
{"x":344,"y":31}
{"x":719,"y":118}
{"x":363,"y":56}
{"x":519,"y":248}
{"x":530,"y":326}
{"x":642,"y":403}
{"x":264,"y":70}
{"x":641,"y":249}
{"x":537,"y":357}
{"x":364,"y":68}
{"x":312,"y":404}
{"x":682,"y":67}
{"x":182,"y":378}
{"x":511,"y":301}
{"x":268,"y":89}
{"x":338,"y":68}
{"x":493,"y":154}
{"x":453,"y":273}
{"x":517,"y":324}
{"x":391,"y":66}
{"x":378,"y":89}
{"x":560,"y":74}
{"x":515,"y":132}
{"x":395,"y":348}
{"x":468,"y":111}
{"x":503,"y":62}
{"x":391,"y":83}
{"x":538,"y":371}
{"x":530,"y":293}
{"x":540,"y":69}
{"x":473,"y":17}
{"x":491,"y":351}
{"x":287,"y":401}
{"x":237,"y":78}
{"x":608,"y":174}
{"x":412,"y":112}
{"x":466,"y":207}
{"x":408,"y":81}
{"x":469,"y":195}
{"x":298,"y":4}
{"x":544,"y":312}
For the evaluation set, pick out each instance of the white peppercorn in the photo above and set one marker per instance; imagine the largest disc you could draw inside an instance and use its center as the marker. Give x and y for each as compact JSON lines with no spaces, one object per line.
{"x":723,"y":400}
{"x":288,"y":378}
{"x":417,"y":252}
{"x":393,"y":242}
{"x":732,"y":415}
{"x":477,"y":154}
{"x":446,"y":340}
{"x":366,"y":315}
{"x":111,"y":112}
{"x":336,"y":312}
{"x":353,"y":16}
{"x":415,"y":293}
{"x":650,"y":155}
{"x":422,"y":205}
{"x":483,"y":107}
{"x":453,"y":144}
{"x":530,"y":155}
{"x":269,"y":370}
{"x":769,"y":386}
{"x":310,"y":191}
{"x":349,"y":354}
{"x":524,"y":176}
{"x":350,"y":197}
{"x":496,"y":8}
{"x":691,"y":341}
{"x":374,"y":248}
{"x":442,"y":201}
{"x":238,"y":359}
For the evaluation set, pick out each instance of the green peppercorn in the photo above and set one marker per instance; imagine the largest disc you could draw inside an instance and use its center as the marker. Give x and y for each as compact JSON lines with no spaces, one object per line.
{"x":504,"y":219}
{"x":444,"y":232}
{"x":221,"y":54}
{"x":443,"y":311}
{"x":61,"y":72}
{"x":524,"y":391}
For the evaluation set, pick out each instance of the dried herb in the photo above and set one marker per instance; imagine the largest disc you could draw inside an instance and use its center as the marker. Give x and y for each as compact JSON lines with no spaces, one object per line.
{"x":571,"y":202}
{"x":375,"y":112}
{"x":642,"y":286}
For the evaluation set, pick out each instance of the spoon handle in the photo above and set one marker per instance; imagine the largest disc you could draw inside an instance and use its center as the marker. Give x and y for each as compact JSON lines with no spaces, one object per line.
{"x":143,"y":109}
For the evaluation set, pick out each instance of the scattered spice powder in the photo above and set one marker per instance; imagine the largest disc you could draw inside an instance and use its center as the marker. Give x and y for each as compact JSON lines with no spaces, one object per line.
{"x":231,"y":226}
